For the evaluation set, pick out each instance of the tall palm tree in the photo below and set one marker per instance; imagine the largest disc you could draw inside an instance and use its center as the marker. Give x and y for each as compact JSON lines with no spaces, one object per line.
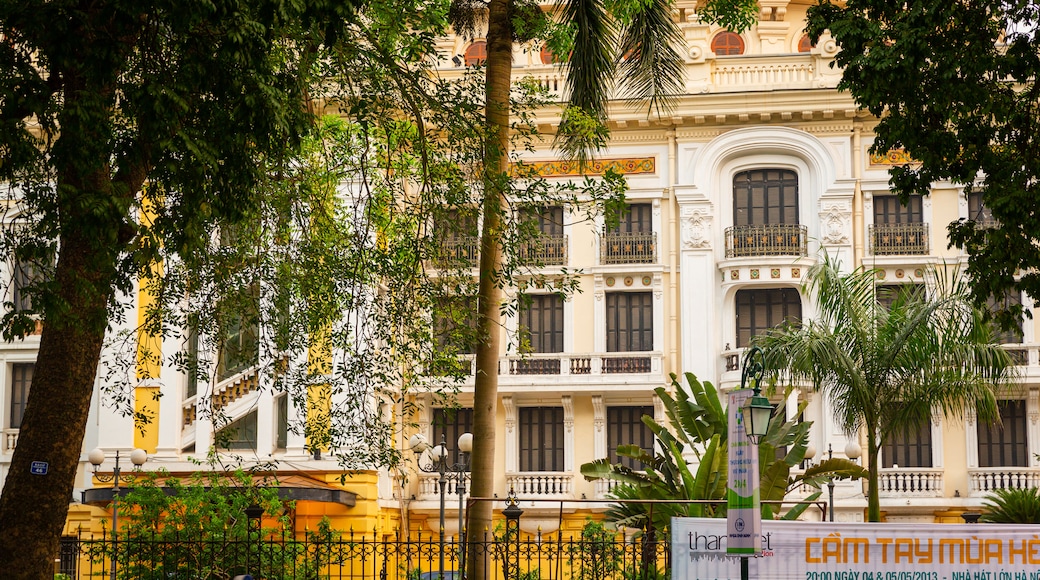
{"x":887,"y":368}
{"x":636,"y":41}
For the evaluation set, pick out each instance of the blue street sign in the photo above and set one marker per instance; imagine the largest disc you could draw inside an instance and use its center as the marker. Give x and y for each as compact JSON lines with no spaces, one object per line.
{"x":38,"y":468}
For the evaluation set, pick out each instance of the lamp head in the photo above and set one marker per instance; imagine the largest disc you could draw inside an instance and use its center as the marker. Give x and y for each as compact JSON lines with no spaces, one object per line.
{"x":418,"y":443}
{"x":138,"y":457}
{"x":853,"y":451}
{"x":757,"y":412}
{"x":466,"y":442}
{"x":96,"y":457}
{"x":439,"y":452}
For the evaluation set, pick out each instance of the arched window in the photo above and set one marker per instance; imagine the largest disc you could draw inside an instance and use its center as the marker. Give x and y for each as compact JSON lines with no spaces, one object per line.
{"x":727,"y":44}
{"x":804,"y":44}
{"x":476,"y":53}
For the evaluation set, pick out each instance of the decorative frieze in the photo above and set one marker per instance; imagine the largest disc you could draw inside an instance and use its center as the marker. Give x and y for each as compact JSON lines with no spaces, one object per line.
{"x":624,"y":166}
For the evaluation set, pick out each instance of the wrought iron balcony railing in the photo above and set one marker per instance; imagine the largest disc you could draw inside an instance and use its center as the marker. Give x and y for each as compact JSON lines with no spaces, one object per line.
{"x":628,"y":248}
{"x":766,"y":240}
{"x":457,"y":252}
{"x":545,"y":251}
{"x":899,"y":239}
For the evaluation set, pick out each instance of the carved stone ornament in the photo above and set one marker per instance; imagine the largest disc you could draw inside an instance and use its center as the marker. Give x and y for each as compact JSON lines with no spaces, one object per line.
{"x":696,"y":228}
{"x":836,"y":225}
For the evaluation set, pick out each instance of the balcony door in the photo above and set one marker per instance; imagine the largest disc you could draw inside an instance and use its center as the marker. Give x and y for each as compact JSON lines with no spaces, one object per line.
{"x":1007,"y":444}
{"x":625,"y":427}
{"x":759,"y":310}
{"x":765,"y":197}
{"x":899,"y":228}
{"x":765,"y":215}
{"x":633,"y":240}
{"x":541,"y":439}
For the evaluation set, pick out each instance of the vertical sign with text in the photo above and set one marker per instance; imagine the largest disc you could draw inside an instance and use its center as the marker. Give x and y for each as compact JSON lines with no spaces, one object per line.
{"x":742,"y":495}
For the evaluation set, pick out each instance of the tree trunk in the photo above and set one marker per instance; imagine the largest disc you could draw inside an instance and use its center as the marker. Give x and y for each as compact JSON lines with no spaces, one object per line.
{"x":93,"y":232}
{"x":55,"y":417}
{"x":489,"y":298}
{"x":873,"y":503}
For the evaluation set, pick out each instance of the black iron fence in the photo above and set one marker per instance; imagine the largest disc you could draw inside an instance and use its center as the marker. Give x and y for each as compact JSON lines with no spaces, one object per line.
{"x":603,"y":555}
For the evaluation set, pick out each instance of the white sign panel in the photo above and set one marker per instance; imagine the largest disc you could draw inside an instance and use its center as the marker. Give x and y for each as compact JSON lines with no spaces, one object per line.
{"x":860,"y":551}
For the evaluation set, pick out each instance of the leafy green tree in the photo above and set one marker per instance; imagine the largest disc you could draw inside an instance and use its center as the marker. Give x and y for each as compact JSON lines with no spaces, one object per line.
{"x":698,"y":424}
{"x":954,"y":84}
{"x":1012,"y":506}
{"x":884,"y":369}
{"x":178,"y":146}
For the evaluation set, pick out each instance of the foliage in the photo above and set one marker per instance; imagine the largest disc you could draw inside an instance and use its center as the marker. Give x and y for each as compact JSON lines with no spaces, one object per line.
{"x":698,"y":425}
{"x":597,"y":553}
{"x":954,"y":84}
{"x":204,"y":521}
{"x":634,"y":44}
{"x":887,"y":368}
{"x":1012,"y":506}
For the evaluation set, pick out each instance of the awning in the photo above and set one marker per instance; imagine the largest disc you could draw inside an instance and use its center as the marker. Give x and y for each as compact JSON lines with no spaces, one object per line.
{"x":291,"y":487}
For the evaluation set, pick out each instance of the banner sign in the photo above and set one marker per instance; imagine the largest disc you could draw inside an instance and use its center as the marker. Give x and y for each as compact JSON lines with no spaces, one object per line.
{"x":860,"y":551}
{"x":742,"y":495}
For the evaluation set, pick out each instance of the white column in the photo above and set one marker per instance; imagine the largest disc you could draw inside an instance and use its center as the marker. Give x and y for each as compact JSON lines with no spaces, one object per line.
{"x":971,"y":436}
{"x":295,"y":440}
{"x":700,"y":300}
{"x":1033,"y":426}
{"x":599,"y":421}
{"x":171,"y":409}
{"x":936,"y":425}
{"x":512,"y":453}
{"x":568,"y":433}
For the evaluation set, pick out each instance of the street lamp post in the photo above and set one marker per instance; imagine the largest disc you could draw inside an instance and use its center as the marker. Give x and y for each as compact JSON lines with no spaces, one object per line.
{"x":756,"y":412}
{"x":96,"y":458}
{"x":454,"y":472}
{"x":830,"y":484}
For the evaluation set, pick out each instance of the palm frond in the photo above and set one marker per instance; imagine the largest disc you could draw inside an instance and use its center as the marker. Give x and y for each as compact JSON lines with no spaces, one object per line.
{"x":650,"y":66}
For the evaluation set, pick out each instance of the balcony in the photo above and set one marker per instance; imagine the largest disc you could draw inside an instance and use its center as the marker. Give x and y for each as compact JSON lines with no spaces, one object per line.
{"x":457,"y":252}
{"x":910,"y":482}
{"x":776,"y":72}
{"x":766,"y":240}
{"x":541,"y":484}
{"x":581,"y":364}
{"x":628,"y":248}
{"x":899,"y":239}
{"x":983,"y":480}
{"x":429,"y":489}
{"x":751,"y":72}
{"x":545,"y":250}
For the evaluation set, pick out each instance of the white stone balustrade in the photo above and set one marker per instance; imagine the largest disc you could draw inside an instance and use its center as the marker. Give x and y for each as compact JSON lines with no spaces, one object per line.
{"x":910,"y":482}
{"x":429,"y":490}
{"x":10,"y":440}
{"x":982,"y":481}
{"x":541,"y":484}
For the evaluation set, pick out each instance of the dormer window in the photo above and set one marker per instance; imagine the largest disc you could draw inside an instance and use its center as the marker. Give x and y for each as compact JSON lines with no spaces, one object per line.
{"x":727,"y":43}
{"x":805,"y":44}
{"x":476,"y":53}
